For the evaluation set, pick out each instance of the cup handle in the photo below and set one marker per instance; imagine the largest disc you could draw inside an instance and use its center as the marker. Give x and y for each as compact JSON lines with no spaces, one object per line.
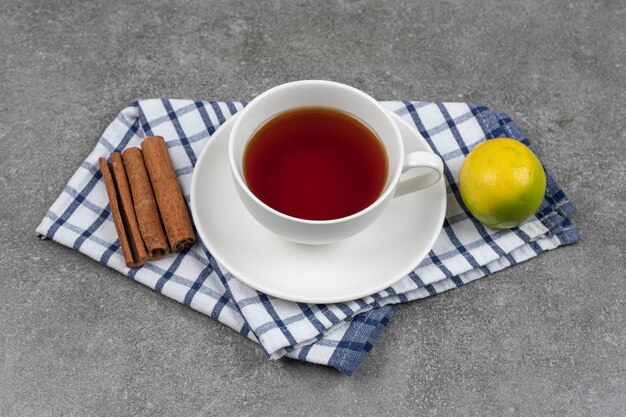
{"x":428,"y":160}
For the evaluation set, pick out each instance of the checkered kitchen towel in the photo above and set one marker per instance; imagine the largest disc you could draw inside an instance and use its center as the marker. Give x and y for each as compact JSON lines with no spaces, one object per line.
{"x":338,"y":335}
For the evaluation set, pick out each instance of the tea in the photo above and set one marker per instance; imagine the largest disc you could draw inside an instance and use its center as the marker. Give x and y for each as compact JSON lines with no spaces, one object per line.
{"x":315,"y":163}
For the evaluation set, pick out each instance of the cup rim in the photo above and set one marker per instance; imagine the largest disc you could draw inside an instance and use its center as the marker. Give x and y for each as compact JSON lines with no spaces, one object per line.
{"x":242,"y":184}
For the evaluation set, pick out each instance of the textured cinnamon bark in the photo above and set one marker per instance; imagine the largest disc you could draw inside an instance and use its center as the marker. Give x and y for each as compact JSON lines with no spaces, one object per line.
{"x":137,"y":247}
{"x":145,"y":204}
{"x":168,"y":195}
{"x":131,"y":259}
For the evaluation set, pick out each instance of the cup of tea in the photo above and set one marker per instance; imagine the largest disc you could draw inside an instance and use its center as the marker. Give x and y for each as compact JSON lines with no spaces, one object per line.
{"x":318,"y":161}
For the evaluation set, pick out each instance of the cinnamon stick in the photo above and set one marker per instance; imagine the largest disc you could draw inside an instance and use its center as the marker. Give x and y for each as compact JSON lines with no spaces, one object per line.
{"x":132,"y":256}
{"x":137,"y":246}
{"x":168,"y":195}
{"x":145,"y":204}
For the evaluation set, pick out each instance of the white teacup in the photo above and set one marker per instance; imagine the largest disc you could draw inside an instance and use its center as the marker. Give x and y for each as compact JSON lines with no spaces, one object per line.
{"x":317,"y":93}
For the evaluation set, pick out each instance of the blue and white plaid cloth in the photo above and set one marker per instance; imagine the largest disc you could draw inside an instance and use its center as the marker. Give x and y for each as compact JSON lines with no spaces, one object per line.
{"x":338,"y":335}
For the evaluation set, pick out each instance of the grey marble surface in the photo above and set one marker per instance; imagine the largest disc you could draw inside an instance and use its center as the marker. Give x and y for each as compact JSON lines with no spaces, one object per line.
{"x":547,"y":337}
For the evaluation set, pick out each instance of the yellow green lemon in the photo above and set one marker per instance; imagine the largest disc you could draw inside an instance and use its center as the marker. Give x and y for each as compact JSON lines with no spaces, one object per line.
{"x":502,"y":183}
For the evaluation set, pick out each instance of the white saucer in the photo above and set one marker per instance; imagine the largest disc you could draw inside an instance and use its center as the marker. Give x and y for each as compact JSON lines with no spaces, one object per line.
{"x":364,"y":264}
